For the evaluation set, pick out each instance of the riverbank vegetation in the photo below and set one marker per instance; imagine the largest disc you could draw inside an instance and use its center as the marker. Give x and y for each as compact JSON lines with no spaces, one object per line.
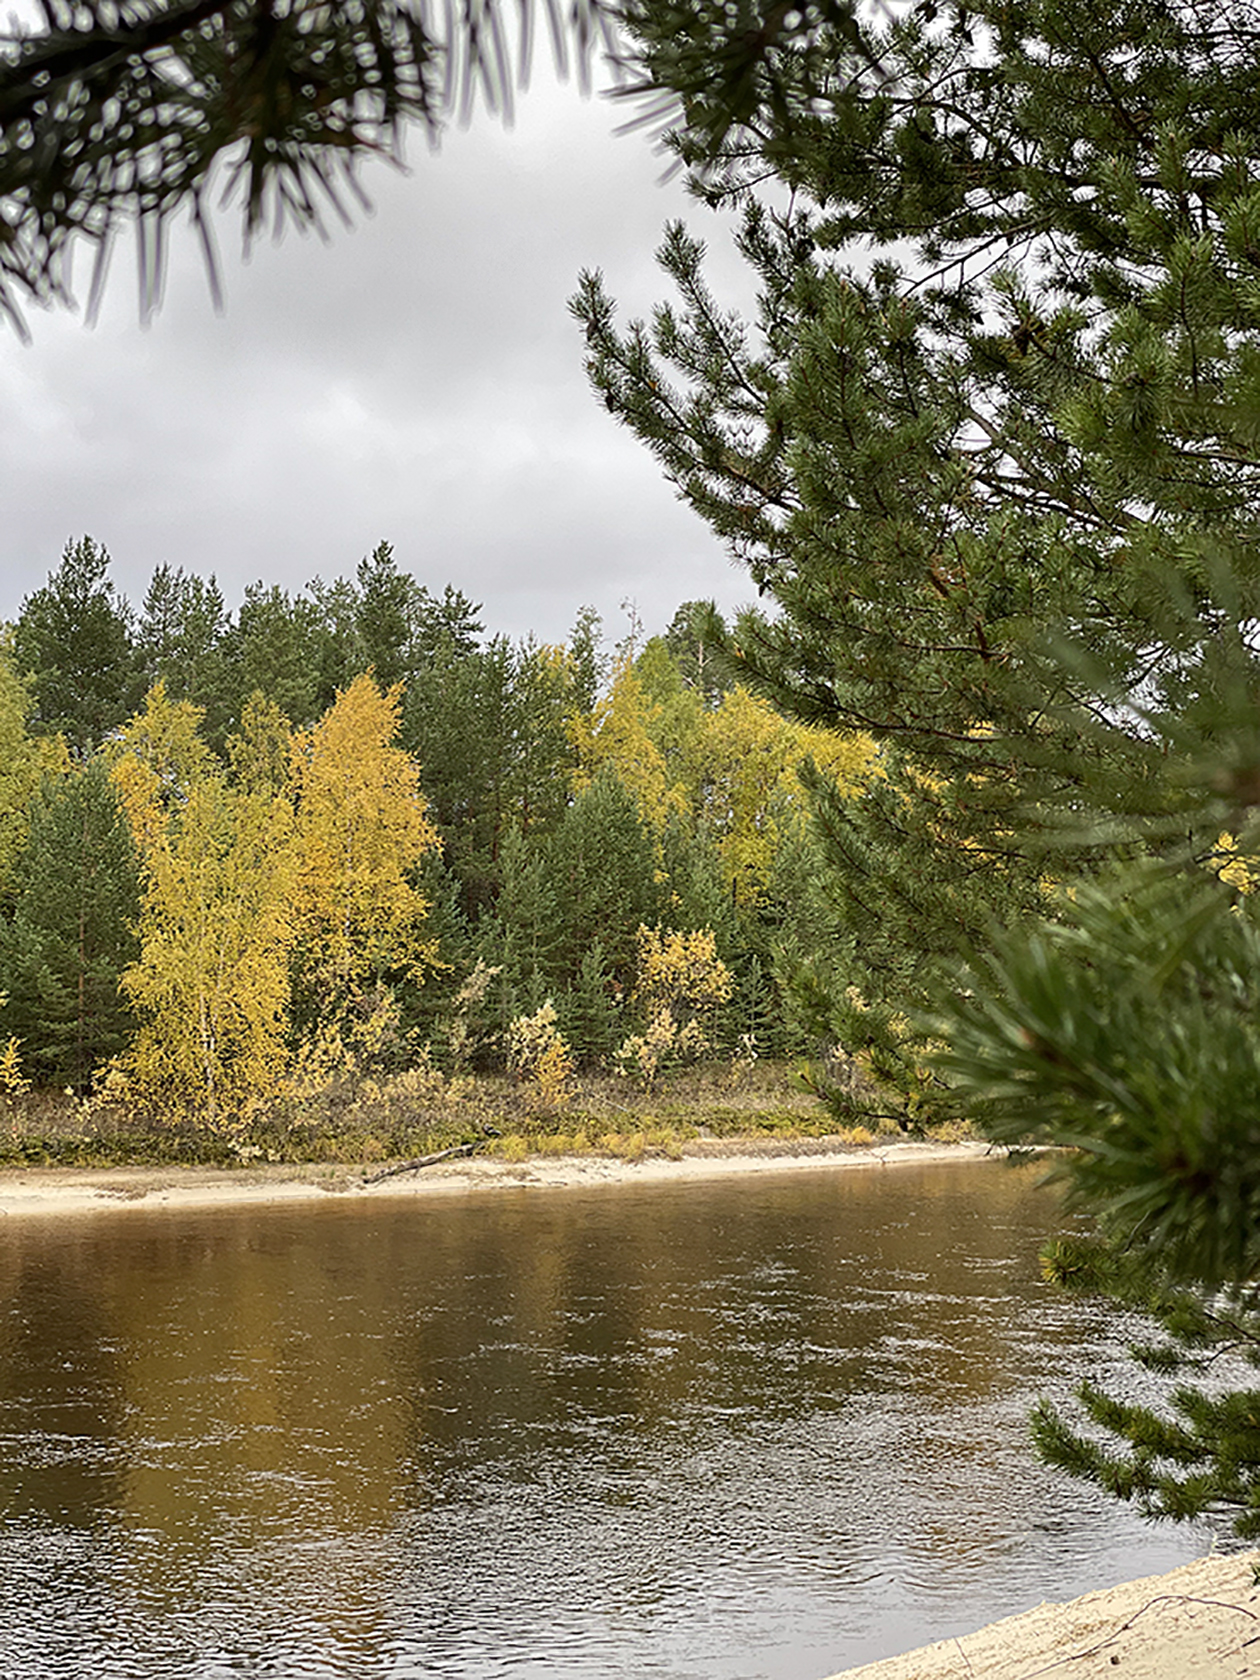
{"x":421,"y":1113}
{"x":343,"y":867}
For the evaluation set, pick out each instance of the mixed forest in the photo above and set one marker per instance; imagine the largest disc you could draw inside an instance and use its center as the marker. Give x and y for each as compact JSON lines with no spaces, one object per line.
{"x":347,"y":837}
{"x":987,"y":446}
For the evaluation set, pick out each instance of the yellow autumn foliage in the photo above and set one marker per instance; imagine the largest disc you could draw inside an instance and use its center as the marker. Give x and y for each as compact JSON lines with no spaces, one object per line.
{"x":307,"y":848}
{"x":212,"y":980}
{"x":733,"y":769}
{"x":360,"y":829}
{"x":24,"y":759}
{"x":621,"y":732}
{"x":155,"y":761}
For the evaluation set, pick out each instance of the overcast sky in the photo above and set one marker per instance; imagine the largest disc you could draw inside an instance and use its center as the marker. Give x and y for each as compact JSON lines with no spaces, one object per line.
{"x":418,"y":379}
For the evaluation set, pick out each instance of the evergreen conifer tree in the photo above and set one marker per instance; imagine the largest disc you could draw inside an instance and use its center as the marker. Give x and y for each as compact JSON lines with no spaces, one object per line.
{"x":590,"y":1009}
{"x":989,"y":449}
{"x":179,"y":634}
{"x":77,"y":899}
{"x":90,"y":137}
{"x":602,"y":864}
{"x":524,"y":930}
{"x":73,"y":637}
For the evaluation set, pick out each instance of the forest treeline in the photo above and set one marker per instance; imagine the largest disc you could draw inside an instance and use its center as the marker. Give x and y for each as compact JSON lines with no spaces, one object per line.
{"x":347,"y":829}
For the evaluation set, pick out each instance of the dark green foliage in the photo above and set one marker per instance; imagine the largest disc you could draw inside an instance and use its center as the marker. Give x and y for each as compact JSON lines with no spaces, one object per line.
{"x":74,"y":637}
{"x":181,"y":625}
{"x":337,"y":649}
{"x":488,"y":727}
{"x":403,"y":629}
{"x":590,"y":1011}
{"x":383,"y":614}
{"x":1188,"y":1446}
{"x":524,"y":933}
{"x":77,"y":896}
{"x":180,"y":642}
{"x":446,"y":628}
{"x":272,"y":649}
{"x":110,"y":114}
{"x":698,"y":897}
{"x":1021,"y":430}
{"x":1129,"y":1031}
{"x":692,"y":648}
{"x":453,"y":724}
{"x":603,"y":871}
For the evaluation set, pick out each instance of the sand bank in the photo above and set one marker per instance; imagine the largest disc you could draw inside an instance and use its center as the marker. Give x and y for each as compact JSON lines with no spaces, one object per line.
{"x":62,"y":1191}
{"x":1200,"y":1622}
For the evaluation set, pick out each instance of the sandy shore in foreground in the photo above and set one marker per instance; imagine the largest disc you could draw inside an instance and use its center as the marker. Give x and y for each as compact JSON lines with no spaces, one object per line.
{"x":1200,"y":1622}
{"x":60,"y":1191}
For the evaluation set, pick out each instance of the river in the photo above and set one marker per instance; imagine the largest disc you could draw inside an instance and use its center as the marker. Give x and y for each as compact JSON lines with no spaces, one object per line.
{"x":757,"y":1428}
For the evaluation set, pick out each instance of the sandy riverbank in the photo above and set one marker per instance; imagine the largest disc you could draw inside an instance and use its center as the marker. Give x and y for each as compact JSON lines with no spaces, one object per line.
{"x":1200,"y":1622}
{"x":61,"y":1191}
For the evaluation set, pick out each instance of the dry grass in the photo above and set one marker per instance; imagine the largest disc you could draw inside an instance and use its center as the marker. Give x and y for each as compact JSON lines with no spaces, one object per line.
{"x":368,"y":1120}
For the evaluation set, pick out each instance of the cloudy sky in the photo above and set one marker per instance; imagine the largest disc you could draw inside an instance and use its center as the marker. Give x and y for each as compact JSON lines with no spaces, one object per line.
{"x":418,"y":379}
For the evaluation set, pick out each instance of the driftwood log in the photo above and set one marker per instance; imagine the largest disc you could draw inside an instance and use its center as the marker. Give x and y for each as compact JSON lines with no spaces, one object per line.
{"x":420,"y":1161}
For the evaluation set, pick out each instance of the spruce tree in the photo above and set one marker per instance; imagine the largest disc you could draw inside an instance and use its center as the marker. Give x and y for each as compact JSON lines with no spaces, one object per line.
{"x":522,"y":936}
{"x":602,"y":869}
{"x":590,"y":1011}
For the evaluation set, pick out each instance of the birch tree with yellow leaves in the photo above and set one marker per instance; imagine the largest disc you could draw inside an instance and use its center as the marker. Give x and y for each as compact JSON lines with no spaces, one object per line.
{"x":360,"y":830}
{"x":289,"y":874}
{"x":212,"y":980}
{"x":211,"y":983}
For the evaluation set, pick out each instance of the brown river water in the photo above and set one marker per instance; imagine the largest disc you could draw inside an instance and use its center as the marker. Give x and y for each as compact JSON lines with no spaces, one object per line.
{"x":757,"y":1428}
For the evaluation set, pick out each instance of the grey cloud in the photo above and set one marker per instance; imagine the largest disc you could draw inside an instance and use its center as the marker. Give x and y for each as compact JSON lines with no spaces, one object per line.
{"x":418,"y":378}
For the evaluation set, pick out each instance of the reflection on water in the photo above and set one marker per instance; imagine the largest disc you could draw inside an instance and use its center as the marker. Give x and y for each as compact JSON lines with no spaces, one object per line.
{"x":758,"y":1427}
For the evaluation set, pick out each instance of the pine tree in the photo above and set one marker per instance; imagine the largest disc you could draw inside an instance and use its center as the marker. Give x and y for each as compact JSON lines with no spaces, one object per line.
{"x":385,"y":613}
{"x":273,"y":648}
{"x":989,"y":450}
{"x":77,"y":898}
{"x":74,"y":638}
{"x":489,"y":728}
{"x":179,"y":635}
{"x":996,"y":404}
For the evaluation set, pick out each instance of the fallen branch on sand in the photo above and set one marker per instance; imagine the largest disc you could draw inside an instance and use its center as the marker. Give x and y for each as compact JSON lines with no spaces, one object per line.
{"x":1161,"y":1598}
{"x":420,"y":1161}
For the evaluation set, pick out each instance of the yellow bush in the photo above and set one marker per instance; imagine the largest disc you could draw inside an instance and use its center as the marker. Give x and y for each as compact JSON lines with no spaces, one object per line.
{"x":13,"y":1082}
{"x":537,"y":1051}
